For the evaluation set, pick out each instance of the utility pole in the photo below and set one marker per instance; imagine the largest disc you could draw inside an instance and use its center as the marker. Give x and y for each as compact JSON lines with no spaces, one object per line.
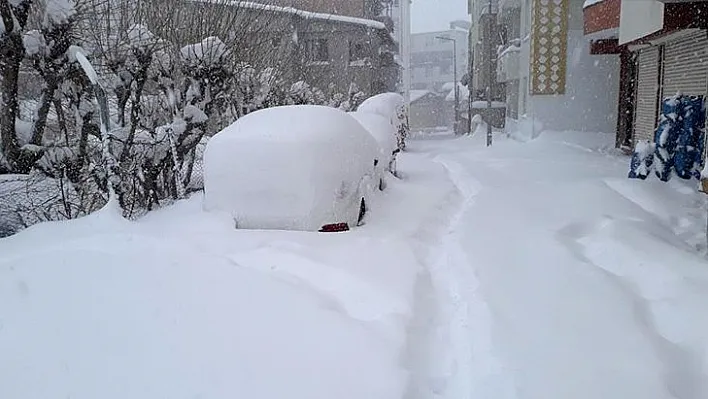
{"x":456,"y":126}
{"x":404,"y":47}
{"x":490,"y":71}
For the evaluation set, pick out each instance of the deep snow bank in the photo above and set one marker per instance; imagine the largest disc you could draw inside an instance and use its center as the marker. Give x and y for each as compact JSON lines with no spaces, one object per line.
{"x":182,"y":305}
{"x":592,"y":282}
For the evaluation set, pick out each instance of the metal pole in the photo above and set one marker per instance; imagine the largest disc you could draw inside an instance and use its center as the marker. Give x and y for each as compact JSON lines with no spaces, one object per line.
{"x":457,"y":90}
{"x":490,"y":71}
{"x":470,"y":90}
{"x":454,"y":78}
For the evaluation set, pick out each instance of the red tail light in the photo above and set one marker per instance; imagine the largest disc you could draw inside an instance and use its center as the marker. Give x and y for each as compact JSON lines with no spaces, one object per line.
{"x":334,"y":228}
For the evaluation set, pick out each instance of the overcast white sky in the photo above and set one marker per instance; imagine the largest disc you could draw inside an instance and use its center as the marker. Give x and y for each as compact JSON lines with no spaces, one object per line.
{"x":432,"y":15}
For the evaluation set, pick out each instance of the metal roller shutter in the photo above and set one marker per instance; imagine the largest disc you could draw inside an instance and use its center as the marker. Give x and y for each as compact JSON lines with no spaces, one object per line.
{"x":686,"y":65}
{"x":646,"y":111}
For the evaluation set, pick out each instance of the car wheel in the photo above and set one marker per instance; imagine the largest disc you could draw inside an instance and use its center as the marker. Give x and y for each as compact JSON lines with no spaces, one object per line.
{"x":362,"y":212}
{"x":382,"y":184}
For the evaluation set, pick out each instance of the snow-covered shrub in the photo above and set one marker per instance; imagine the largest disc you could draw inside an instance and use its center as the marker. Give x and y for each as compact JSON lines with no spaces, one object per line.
{"x":29,"y":199}
{"x":164,"y":99}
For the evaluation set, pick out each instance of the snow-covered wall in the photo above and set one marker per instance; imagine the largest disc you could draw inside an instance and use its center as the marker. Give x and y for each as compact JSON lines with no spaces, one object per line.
{"x":639,"y":18}
{"x":592,"y":85}
{"x":592,"y":89}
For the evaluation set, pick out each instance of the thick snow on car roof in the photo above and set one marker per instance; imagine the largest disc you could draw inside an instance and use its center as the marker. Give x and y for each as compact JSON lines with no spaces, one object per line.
{"x":286,"y":167}
{"x":385,"y":104}
{"x":293,"y":123}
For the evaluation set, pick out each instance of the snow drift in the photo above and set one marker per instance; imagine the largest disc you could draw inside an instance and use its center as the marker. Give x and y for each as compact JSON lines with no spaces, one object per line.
{"x":181,"y":305}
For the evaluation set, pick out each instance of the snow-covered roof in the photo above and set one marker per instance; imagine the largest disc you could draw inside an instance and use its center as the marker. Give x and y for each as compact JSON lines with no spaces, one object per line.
{"x":418,"y":94}
{"x":448,"y":86}
{"x":463,"y":91}
{"x":303,"y":14}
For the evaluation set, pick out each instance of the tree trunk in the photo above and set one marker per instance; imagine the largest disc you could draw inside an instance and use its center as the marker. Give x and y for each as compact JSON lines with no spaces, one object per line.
{"x":123,"y":96}
{"x":43,"y":111}
{"x":61,"y":118}
{"x":12,"y":54}
{"x":140,"y":80}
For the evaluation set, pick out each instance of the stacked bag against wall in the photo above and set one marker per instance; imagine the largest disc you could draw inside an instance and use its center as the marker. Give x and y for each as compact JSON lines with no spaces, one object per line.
{"x":678,"y":141}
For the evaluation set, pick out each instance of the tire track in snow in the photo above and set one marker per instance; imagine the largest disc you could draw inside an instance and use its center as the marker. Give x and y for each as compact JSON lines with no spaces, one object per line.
{"x":461,"y":354}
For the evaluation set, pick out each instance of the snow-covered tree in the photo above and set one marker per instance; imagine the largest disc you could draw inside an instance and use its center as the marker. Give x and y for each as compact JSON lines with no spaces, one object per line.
{"x":14,"y":15}
{"x":164,"y":76}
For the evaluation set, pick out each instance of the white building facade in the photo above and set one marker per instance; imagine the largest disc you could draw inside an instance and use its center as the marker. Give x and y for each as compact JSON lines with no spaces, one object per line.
{"x":544,"y":64}
{"x":433,"y":62}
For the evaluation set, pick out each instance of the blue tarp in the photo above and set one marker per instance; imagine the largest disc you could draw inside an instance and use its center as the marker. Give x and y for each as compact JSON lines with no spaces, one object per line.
{"x":687,"y":157}
{"x":678,"y":141}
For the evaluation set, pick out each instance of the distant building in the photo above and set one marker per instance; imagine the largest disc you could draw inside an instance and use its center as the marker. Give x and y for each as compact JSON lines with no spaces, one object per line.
{"x":394,"y":13}
{"x":328,"y":51}
{"x":432,"y":59}
{"x":340,"y":7}
{"x":428,"y":111}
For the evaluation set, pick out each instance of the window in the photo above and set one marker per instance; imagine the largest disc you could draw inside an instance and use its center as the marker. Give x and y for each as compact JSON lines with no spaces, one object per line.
{"x":357,"y":51}
{"x":317,"y":50}
{"x":428,"y":71}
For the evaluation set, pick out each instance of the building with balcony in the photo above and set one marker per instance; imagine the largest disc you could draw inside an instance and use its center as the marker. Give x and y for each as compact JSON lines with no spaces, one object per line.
{"x":432,"y":60}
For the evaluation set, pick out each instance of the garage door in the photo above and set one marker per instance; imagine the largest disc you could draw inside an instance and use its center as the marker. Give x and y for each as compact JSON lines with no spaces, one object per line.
{"x":685,"y":65}
{"x":646,"y":111}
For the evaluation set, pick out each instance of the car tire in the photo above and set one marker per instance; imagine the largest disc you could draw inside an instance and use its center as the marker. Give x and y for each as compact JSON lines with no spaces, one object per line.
{"x":362,"y":212}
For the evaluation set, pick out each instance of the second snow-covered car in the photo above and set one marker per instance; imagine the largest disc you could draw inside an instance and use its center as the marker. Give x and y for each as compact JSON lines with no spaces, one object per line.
{"x":301,"y":167}
{"x":385,"y":135}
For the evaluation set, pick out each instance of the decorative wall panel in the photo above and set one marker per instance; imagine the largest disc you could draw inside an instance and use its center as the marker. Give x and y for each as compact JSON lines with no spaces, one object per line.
{"x":549,"y":47}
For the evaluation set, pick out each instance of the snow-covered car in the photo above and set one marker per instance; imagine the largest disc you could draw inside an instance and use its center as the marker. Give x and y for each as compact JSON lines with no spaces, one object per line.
{"x":385,"y":135}
{"x":393,"y":107}
{"x":300,"y":167}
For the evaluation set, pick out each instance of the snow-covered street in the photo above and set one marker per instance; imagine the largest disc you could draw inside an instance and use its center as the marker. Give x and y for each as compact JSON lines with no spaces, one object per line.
{"x":528,"y":270}
{"x":568,"y":280}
